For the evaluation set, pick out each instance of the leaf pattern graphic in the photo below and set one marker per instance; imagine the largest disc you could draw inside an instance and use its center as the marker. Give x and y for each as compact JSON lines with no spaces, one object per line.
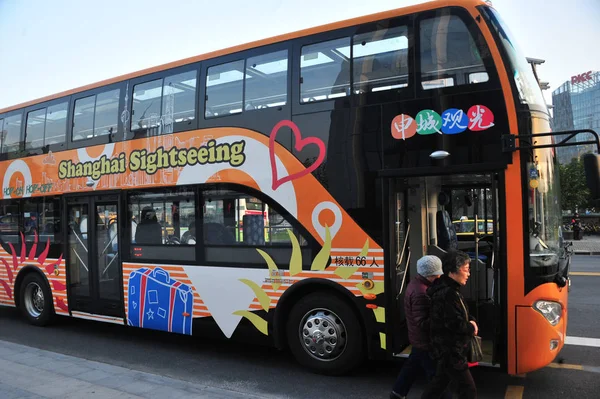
{"x":365,"y":249}
{"x":345,"y":272}
{"x":324,"y":254}
{"x":261,"y":295}
{"x":296,"y":259}
{"x":274,"y":271}
{"x":259,"y":322}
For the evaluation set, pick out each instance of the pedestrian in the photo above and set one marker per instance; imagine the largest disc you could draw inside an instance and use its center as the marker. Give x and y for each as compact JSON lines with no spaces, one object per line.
{"x":577,"y":231}
{"x":416,"y":308}
{"x":451,"y":329}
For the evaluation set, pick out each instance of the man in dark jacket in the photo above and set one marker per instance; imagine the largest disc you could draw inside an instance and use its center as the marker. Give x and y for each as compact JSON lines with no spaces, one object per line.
{"x":451,"y":328}
{"x":416,"y":308}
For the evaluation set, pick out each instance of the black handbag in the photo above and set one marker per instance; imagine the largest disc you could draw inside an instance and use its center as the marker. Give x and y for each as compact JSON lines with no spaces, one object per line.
{"x":474,"y":352}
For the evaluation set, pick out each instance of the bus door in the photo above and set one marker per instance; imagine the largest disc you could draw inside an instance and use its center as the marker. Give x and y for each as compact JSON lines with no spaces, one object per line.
{"x":398,"y":257}
{"x":430,"y":215}
{"x":93,"y":260}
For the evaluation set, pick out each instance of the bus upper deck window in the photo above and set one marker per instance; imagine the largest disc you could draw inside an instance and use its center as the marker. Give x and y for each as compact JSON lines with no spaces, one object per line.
{"x":11,"y":134}
{"x":96,"y":115}
{"x":449,"y":54}
{"x":146,"y":105}
{"x":266,"y":81}
{"x":380,"y":60}
{"x":325,"y":70}
{"x":46,"y":126}
{"x":160,"y":104}
{"x":34,"y":131}
{"x":224,"y":89}
{"x":179,"y":99}
{"x":56,"y":124}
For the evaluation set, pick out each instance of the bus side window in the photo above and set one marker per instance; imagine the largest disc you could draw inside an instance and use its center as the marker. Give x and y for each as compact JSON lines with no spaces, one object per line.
{"x":325,"y":70}
{"x":11,"y":134}
{"x":224,"y":89}
{"x":160,"y":105}
{"x":266,"y":81}
{"x":96,"y":115}
{"x":449,"y":55}
{"x":380,"y":60}
{"x":46,"y":126}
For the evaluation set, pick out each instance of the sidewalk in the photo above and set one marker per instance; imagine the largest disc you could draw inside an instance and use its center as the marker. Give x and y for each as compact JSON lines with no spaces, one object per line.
{"x":588,"y":245}
{"x":34,"y":373}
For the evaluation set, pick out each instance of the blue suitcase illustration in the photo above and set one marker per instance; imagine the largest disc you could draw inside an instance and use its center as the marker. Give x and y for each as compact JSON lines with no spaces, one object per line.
{"x":159,"y":302}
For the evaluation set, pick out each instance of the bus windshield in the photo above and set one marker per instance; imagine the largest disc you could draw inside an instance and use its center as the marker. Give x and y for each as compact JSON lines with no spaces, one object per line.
{"x":529,"y":90}
{"x":545,"y":236}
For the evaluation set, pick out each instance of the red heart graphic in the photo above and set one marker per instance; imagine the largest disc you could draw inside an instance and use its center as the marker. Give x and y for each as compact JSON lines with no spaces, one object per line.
{"x":300,"y":144}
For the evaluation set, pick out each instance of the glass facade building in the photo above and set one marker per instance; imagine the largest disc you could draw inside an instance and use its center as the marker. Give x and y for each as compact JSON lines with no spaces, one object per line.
{"x":577,"y":106}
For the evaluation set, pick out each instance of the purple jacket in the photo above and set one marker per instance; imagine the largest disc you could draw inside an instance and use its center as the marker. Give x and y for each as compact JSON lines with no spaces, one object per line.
{"x":417,"y":306}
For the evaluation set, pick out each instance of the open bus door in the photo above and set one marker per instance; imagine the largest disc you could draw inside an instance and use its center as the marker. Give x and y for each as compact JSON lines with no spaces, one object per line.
{"x":398,"y":257}
{"x":432,"y":214}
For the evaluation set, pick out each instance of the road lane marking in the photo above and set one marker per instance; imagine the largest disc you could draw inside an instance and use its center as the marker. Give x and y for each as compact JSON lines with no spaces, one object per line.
{"x":514,"y":392}
{"x":583,"y":341}
{"x":579,"y":367}
{"x":584,"y":273}
{"x":566,"y":366}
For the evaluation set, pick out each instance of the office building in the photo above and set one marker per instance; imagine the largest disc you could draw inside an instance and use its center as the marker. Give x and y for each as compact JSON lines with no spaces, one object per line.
{"x":577,"y":106}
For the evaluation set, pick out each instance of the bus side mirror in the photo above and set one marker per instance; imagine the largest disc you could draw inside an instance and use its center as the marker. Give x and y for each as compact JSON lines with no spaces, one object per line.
{"x":591,"y":164}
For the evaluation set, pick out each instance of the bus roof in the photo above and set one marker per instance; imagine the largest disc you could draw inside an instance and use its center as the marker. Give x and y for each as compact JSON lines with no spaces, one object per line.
{"x":270,"y":40}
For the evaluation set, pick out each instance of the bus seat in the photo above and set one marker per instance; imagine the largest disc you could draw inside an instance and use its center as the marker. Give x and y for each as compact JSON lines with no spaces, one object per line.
{"x":189,"y":237}
{"x":254,"y":229}
{"x":446,"y":234}
{"x":217,"y":234}
{"x":149,"y":230}
{"x":479,"y":286}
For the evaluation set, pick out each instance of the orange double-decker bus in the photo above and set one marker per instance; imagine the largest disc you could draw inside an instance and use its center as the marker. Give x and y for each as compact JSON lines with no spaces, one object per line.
{"x":357,"y":144}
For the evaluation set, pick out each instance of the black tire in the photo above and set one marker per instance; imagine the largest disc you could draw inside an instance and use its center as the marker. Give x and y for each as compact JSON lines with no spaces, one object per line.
{"x":321,"y":309}
{"x":37,"y":311}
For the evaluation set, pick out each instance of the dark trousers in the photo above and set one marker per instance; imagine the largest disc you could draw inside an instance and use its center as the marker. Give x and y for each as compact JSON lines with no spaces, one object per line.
{"x":445,"y":373}
{"x":418,"y":363}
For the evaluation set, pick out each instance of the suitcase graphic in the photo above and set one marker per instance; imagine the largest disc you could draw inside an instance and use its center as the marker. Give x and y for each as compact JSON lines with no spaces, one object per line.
{"x":159,"y":302}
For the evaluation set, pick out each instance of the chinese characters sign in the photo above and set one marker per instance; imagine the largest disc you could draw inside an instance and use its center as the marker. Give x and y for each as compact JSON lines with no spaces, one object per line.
{"x":451,"y":121}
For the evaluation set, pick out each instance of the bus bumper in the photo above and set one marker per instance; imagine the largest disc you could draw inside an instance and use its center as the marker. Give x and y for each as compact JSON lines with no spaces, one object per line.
{"x":538,"y":341}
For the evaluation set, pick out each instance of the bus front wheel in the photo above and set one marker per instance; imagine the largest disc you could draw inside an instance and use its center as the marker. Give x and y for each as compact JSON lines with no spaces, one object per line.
{"x":36,"y":300}
{"x":324,"y":334}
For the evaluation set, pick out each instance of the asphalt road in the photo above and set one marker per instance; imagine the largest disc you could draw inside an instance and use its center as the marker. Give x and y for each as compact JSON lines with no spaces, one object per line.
{"x":257,"y":370}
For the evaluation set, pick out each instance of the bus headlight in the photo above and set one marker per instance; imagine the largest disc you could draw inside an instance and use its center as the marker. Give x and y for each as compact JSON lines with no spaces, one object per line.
{"x":552,"y":311}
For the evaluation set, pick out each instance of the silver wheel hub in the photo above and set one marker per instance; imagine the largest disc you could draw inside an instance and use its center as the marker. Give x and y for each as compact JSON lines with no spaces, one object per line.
{"x":34,"y":299}
{"x":323,"y":334}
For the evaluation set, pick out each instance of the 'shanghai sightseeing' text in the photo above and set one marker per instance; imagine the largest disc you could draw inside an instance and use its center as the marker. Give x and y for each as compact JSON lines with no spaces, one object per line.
{"x":150,"y":162}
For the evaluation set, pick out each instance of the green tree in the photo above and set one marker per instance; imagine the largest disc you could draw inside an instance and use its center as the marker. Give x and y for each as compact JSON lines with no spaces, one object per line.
{"x":573,"y":188}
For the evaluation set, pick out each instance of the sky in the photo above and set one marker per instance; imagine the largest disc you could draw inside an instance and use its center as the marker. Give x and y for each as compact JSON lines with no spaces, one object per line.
{"x":48,"y":46}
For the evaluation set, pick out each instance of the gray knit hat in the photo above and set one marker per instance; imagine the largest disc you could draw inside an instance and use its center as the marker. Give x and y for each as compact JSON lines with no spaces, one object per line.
{"x":429,"y":265}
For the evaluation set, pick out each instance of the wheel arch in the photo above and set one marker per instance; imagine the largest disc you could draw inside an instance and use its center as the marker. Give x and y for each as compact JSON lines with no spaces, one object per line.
{"x":24,"y":272}
{"x":307,"y":287}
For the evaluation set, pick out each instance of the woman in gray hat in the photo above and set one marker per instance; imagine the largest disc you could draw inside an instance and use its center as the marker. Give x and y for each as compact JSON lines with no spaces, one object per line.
{"x":416,"y":307}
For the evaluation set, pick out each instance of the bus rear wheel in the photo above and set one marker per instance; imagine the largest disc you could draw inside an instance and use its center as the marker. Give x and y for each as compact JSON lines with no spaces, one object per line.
{"x":36,"y":300}
{"x":324,"y":334}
